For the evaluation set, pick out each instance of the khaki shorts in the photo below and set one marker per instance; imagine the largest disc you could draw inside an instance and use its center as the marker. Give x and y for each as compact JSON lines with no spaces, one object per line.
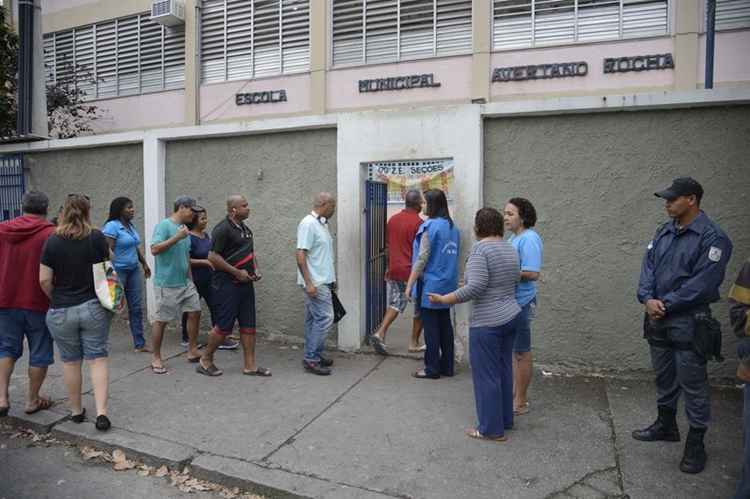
{"x":172,"y":302}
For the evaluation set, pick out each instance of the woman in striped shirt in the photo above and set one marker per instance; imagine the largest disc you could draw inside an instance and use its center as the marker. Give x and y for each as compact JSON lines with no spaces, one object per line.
{"x":492,"y":272}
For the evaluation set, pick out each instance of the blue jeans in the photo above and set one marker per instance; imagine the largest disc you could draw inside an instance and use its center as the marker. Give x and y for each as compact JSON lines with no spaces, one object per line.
{"x":15,"y":324}
{"x":131,"y":281}
{"x":491,"y":357}
{"x":522,"y":343}
{"x":81,"y":331}
{"x":318,"y":321}
{"x":743,"y":487}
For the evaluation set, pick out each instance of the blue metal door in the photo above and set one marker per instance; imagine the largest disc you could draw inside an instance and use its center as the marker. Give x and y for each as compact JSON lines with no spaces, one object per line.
{"x":11,"y":186}
{"x":376,"y":258}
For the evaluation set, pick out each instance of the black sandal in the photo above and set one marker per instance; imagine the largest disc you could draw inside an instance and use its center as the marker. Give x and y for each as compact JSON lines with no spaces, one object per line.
{"x":378,"y":345}
{"x":211,"y":370}
{"x":259,"y":371}
{"x":423,"y":375}
{"x":79,"y":418}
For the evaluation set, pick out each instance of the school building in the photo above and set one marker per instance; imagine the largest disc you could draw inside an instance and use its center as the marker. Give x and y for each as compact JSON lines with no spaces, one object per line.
{"x":586,"y":107}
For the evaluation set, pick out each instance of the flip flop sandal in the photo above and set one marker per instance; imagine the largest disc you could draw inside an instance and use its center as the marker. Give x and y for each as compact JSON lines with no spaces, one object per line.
{"x":158,"y":369}
{"x":193,"y":360}
{"x":211,"y":370}
{"x":259,"y":371}
{"x":4,"y":411}
{"x":418,"y":349}
{"x":378,"y":345}
{"x":42,"y":405}
{"x":474,"y":433}
{"x":521,"y":410}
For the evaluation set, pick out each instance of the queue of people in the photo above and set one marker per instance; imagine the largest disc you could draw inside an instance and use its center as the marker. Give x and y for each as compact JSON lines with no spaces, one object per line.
{"x":682,"y":269}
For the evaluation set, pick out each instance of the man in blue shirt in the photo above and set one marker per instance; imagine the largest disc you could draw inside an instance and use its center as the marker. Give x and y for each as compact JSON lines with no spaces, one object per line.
{"x":681,"y":273}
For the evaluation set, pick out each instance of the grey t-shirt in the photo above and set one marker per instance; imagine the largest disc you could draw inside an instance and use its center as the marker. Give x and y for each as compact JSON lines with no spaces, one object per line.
{"x":492,"y":272}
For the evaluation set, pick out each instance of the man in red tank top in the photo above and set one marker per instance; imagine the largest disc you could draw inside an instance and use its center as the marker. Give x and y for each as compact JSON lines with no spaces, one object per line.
{"x":400,"y":233}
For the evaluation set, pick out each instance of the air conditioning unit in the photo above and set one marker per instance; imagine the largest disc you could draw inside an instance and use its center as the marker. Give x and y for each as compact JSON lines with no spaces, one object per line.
{"x":168,"y":12}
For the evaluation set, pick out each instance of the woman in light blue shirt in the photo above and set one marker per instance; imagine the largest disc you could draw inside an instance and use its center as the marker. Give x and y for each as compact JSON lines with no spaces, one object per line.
{"x":520,"y":217}
{"x":125,"y":243}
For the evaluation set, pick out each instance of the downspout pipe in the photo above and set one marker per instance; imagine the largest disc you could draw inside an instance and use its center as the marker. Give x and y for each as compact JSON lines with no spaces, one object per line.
{"x":710,"y":35}
{"x":25,"y":85}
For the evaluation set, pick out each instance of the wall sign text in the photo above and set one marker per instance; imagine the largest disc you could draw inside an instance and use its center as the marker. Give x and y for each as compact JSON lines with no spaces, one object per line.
{"x":638,"y":63}
{"x":540,"y":71}
{"x":398,"y":83}
{"x":266,"y":97}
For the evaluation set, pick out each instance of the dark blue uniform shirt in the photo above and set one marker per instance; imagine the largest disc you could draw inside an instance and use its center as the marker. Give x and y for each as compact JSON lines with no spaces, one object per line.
{"x":685,"y":267}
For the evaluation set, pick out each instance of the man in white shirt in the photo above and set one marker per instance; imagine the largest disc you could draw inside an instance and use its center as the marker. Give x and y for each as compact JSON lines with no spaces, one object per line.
{"x":317,"y":276}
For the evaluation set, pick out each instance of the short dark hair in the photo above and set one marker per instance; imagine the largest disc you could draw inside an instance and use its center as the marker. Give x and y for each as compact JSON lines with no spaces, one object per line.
{"x":35,"y":203}
{"x":488,"y":222}
{"x":197,"y":212}
{"x":437,"y":205}
{"x":117,"y":206}
{"x":525,"y":210}
{"x":413,"y":199}
{"x":185,"y":201}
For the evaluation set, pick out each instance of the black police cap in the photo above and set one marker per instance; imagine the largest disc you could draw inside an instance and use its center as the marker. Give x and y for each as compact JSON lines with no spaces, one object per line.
{"x":681,"y":186}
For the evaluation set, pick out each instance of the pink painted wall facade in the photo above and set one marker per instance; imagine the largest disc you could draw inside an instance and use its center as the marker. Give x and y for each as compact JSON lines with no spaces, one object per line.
{"x":596,"y":80}
{"x":731,"y":57}
{"x":217,"y":101}
{"x":453,"y":74}
{"x":160,"y":109}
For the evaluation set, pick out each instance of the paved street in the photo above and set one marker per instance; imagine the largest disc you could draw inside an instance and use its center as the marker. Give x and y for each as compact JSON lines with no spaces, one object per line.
{"x":372,"y":431}
{"x":38,"y":471}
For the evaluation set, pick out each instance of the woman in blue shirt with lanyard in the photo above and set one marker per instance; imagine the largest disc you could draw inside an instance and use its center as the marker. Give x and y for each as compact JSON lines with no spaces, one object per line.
{"x":520,"y":217}
{"x":125,"y":244}
{"x":435,"y":270}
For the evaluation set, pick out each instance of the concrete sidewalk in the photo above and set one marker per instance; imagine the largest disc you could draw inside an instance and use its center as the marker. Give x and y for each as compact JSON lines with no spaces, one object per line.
{"x":372,"y":431}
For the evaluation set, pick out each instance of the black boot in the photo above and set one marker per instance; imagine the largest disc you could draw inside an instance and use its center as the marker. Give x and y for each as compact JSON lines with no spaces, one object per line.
{"x":664,"y":428}
{"x":694,"y":459}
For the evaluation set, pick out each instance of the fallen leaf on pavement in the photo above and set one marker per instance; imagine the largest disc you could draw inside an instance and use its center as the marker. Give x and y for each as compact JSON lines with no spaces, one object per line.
{"x":118,"y":456}
{"x":143,"y":472}
{"x":123,"y":465}
{"x":88,"y":453}
{"x":162,"y":471}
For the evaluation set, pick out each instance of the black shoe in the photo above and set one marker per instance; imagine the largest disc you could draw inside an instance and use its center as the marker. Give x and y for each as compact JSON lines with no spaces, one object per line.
{"x":102,"y":423}
{"x":79,"y":418}
{"x":316,"y":368}
{"x":326,"y":362}
{"x":694,"y":458}
{"x":664,"y":428}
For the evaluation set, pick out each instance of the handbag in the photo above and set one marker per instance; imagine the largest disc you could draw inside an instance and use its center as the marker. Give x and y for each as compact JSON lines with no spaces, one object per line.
{"x":338,"y":309}
{"x":107,"y":285}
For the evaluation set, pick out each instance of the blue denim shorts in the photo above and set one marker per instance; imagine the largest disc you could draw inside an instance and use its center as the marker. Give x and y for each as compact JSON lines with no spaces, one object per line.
{"x":522,"y":343}
{"x":14,"y":325}
{"x":80,"y":332}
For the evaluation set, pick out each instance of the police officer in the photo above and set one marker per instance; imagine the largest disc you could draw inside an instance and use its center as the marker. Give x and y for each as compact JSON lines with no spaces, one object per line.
{"x":680,"y":276}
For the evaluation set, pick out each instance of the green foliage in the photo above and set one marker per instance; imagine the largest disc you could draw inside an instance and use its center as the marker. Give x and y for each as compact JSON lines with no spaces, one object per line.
{"x":8,"y":76}
{"x":68,"y":113}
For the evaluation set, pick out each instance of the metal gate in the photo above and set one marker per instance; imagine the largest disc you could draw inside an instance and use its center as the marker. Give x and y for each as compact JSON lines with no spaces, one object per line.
{"x":376,"y":259}
{"x":11,"y":186}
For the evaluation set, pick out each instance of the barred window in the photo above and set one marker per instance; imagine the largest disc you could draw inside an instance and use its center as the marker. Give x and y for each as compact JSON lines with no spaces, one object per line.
{"x":127,"y":56}
{"x":377,"y":31}
{"x":534,"y":23}
{"x":242,"y":39}
{"x":732,"y":14}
